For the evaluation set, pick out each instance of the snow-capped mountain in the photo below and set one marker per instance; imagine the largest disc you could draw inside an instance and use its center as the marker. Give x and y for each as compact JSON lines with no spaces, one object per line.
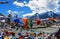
{"x":44,"y":15}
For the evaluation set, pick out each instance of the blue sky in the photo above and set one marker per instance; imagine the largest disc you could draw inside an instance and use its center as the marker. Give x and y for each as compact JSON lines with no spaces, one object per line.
{"x":5,"y":7}
{"x":10,"y":6}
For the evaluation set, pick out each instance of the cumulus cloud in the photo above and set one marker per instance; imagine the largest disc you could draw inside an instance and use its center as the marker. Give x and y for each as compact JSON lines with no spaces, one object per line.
{"x":18,"y":4}
{"x":34,"y":4}
{"x":38,"y":6}
{"x":52,"y":5}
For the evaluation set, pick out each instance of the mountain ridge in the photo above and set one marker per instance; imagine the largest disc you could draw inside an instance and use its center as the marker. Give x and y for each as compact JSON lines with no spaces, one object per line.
{"x":44,"y":15}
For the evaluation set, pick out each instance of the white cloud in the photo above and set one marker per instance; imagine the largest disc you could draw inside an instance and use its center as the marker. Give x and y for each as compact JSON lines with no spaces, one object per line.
{"x":9,"y":11}
{"x":18,"y":4}
{"x":13,"y":13}
{"x":24,"y":15}
{"x":34,"y":5}
{"x":37,"y":6}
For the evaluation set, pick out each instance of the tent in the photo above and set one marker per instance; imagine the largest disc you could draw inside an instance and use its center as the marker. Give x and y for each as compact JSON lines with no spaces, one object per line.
{"x":18,"y":21}
{"x":2,"y":18}
{"x":31,"y":21}
{"x":50,"y":19}
{"x":5,"y":37}
{"x":8,"y":20}
{"x":25,"y":23}
{"x":57,"y":18}
{"x":46,"y":21}
{"x":1,"y":37}
{"x":38,"y":21}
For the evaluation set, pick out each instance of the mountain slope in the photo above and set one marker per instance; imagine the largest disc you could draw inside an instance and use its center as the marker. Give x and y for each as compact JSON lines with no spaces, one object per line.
{"x":44,"y":15}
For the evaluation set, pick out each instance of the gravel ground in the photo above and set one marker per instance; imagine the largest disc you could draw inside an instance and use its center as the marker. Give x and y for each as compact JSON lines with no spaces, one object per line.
{"x":47,"y":29}
{"x":37,"y":30}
